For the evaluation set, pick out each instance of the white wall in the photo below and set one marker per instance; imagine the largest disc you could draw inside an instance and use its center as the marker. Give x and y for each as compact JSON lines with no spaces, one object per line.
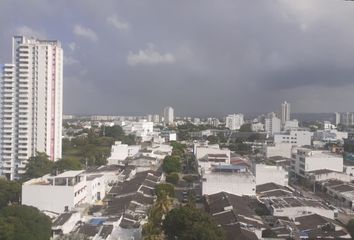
{"x":268,"y":174}
{"x":307,"y":160}
{"x":296,"y":138}
{"x":294,"y":212}
{"x":234,"y":183}
{"x":120,"y":152}
{"x":281,"y":149}
{"x":95,"y":188}
{"x":202,"y":152}
{"x":53,"y":198}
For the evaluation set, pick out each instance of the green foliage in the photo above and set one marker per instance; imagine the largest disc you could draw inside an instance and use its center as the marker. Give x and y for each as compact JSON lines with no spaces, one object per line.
{"x":246,"y":128}
{"x":94,"y":149}
{"x":190,"y":178}
{"x":269,"y":233}
{"x":187,"y":223}
{"x":262,"y":210}
{"x":10,"y":192}
{"x":240,"y":148}
{"x":67,"y":163}
{"x":165,"y":188}
{"x":172,"y":178}
{"x":116,"y":132}
{"x":213,"y":139}
{"x":38,"y":166}
{"x":350,"y":227}
{"x":24,"y":222}
{"x":172,"y":164}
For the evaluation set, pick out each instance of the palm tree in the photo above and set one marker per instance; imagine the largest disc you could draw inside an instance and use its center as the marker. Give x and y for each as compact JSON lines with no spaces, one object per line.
{"x":163,"y":203}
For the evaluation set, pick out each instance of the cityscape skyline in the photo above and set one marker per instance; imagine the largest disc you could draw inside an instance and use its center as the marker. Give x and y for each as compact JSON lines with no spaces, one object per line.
{"x":124,"y":60}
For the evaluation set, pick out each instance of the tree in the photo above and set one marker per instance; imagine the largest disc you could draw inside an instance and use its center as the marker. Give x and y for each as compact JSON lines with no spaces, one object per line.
{"x":67,"y":163}
{"x":38,"y":166}
{"x":350,"y":227}
{"x":172,"y":164}
{"x":269,"y":233}
{"x":115,"y":132}
{"x":213,"y":139}
{"x":187,"y":223}
{"x":172,"y":178}
{"x":167,"y":188}
{"x":10,"y":192}
{"x":246,"y":127}
{"x":23,"y":222}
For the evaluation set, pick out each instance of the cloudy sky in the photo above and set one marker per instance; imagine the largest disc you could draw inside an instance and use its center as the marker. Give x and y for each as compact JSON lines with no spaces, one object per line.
{"x":199,"y":56}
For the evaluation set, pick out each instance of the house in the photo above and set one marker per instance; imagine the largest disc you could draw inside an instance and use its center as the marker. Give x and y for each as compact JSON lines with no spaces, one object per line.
{"x":233,"y":214}
{"x":307,"y":160}
{"x":230,"y":178}
{"x":56,"y":193}
{"x":121,"y":151}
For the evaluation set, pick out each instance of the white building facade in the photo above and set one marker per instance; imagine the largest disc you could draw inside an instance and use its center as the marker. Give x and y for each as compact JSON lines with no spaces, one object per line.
{"x":234,"y":121}
{"x":269,"y":174}
{"x":285,"y":112}
{"x":295,"y":138}
{"x":57,"y":194}
{"x":31,"y":109}
{"x":168,"y":114}
{"x":307,"y":160}
{"x":272,"y":124}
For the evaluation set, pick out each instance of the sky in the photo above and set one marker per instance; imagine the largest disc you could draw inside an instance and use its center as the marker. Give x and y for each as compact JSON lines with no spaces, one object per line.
{"x":202,"y":57}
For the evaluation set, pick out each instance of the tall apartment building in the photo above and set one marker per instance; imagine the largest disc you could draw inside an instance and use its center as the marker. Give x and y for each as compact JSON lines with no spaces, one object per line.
{"x":168,"y":114}
{"x":285,"y":112}
{"x":31,"y":109}
{"x":234,"y":121}
{"x":347,"y":118}
{"x":272,"y":124}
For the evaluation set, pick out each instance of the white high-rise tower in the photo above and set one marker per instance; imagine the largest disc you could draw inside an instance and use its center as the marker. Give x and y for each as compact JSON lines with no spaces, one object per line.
{"x":168,"y":114}
{"x":285,"y":112}
{"x":31,"y":109}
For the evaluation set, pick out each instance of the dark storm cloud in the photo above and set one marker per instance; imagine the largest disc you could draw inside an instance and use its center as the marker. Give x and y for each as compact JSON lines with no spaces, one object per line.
{"x":201,"y":56}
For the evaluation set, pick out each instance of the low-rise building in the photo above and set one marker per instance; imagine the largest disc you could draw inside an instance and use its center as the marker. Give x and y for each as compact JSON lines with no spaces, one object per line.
{"x":58,"y":193}
{"x":343,"y":191}
{"x":280,"y":149}
{"x":121,"y":151}
{"x":268,"y":173}
{"x":234,"y":215}
{"x":330,"y":135}
{"x":232,"y":179}
{"x":295,"y":138}
{"x":307,"y":160}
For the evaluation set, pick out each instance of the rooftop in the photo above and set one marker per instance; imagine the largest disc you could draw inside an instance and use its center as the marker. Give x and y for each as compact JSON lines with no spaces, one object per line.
{"x":68,"y":174}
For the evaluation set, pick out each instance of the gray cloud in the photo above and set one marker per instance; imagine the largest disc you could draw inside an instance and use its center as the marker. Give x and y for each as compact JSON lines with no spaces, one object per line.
{"x":222,"y":56}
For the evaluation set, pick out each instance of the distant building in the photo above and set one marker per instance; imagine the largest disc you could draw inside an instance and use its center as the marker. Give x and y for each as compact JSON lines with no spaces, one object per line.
{"x":347,"y":118}
{"x":307,"y":160}
{"x":156,"y":118}
{"x":272,"y":124}
{"x":32,"y":104}
{"x":235,"y":121}
{"x":296,"y":138}
{"x":257,"y":127}
{"x":291,"y":125}
{"x":168,"y":114}
{"x":337,"y":118}
{"x":120,"y":152}
{"x":285,"y":112}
